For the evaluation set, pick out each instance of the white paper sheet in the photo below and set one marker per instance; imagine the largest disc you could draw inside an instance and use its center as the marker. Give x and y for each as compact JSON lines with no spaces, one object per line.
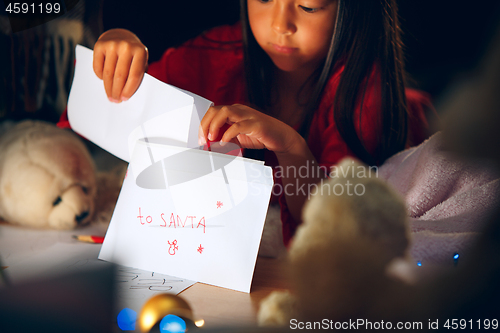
{"x":160,"y":109}
{"x":133,"y":286}
{"x":182,"y":210}
{"x":20,"y":243}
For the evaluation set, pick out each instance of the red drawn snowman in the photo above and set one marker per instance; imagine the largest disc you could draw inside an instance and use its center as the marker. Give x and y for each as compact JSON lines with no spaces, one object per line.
{"x":172,"y":247}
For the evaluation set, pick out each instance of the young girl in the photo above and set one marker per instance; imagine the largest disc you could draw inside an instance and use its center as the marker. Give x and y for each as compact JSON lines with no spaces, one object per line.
{"x":307,"y":82}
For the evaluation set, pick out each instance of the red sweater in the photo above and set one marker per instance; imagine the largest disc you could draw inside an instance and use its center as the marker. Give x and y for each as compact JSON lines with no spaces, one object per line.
{"x":211,"y":66}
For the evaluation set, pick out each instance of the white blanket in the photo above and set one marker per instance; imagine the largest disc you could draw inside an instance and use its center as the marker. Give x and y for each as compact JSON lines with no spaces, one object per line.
{"x":448,"y":199}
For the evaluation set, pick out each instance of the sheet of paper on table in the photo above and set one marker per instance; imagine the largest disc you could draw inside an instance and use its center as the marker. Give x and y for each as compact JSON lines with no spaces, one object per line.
{"x":133,"y":286}
{"x":18,"y":243}
{"x":183,"y":210}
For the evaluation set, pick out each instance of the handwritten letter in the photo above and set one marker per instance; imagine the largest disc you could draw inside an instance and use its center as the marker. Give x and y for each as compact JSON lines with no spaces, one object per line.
{"x":182,"y":210}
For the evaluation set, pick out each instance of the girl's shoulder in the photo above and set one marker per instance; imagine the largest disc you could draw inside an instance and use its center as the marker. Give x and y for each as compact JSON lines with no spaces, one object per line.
{"x":419,"y":107}
{"x":210,"y":65}
{"x":225,"y":36}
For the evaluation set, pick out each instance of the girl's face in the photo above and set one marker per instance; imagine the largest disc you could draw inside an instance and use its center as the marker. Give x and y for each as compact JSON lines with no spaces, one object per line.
{"x":296,"y":34}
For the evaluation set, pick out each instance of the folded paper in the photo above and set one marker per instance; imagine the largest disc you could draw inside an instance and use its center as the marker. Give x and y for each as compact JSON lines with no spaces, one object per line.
{"x":184,"y":210}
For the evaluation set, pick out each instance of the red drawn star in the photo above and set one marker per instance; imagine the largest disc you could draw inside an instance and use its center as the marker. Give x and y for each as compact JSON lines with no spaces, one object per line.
{"x":219,"y":204}
{"x":200,"y":249}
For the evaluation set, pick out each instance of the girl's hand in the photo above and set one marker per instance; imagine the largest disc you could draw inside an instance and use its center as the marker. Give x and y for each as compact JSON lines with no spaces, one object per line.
{"x":251,"y":128}
{"x":120,"y":60}
{"x":255,"y":130}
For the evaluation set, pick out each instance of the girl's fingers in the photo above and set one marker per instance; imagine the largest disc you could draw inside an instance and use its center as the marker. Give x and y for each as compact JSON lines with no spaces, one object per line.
{"x":228,"y":115}
{"x":205,"y":124}
{"x":120,"y":60}
{"x":202,"y":139}
{"x":135,"y":75}
{"x":249,"y":127}
{"x":98,"y":62}
{"x":246,"y":132}
{"x":217,"y":116}
{"x":110,"y":60}
{"x":121,"y":76}
{"x":220,"y":118}
{"x":241,"y":127}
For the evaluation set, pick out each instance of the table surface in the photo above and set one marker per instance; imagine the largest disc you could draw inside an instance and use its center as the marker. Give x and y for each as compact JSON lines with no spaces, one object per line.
{"x":221,"y":307}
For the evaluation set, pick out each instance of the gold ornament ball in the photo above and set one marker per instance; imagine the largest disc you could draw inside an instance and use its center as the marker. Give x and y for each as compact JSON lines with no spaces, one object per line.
{"x":159,"y":306}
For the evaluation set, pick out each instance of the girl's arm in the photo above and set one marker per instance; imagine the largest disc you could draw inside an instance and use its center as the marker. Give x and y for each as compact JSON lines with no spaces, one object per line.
{"x":298,"y":189}
{"x":255,"y":130}
{"x":120,"y":60}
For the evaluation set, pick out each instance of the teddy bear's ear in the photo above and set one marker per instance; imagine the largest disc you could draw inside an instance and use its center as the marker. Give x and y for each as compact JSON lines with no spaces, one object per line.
{"x":350,"y":167}
{"x":348,"y":162}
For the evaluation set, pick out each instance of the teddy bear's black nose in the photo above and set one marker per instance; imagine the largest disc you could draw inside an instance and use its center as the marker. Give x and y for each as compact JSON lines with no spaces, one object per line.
{"x":81,"y":217}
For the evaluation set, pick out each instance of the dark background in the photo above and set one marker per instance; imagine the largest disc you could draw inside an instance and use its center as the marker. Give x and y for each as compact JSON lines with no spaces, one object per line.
{"x":443,"y":38}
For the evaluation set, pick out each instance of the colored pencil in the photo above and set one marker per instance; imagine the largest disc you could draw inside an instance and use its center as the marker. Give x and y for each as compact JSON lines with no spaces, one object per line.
{"x":89,"y":239}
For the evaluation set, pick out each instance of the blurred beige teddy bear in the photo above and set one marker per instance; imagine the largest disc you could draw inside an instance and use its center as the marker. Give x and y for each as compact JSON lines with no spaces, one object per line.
{"x":47,"y":177}
{"x":354,"y":230}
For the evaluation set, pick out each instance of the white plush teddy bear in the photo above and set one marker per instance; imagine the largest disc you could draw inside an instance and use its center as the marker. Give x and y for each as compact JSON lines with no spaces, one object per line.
{"x":354,"y":228}
{"x":47,"y":177}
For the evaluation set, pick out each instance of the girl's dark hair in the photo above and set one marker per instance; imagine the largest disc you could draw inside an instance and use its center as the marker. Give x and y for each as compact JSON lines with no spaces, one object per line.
{"x":367,"y":33}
